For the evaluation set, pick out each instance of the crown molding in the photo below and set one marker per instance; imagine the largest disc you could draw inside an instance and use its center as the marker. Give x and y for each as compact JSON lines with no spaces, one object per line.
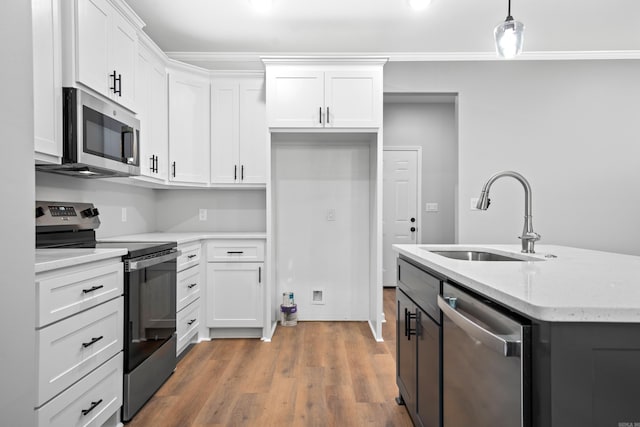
{"x":404,"y":56}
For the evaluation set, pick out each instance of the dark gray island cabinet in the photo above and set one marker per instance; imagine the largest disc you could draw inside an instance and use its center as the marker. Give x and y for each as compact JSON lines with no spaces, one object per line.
{"x":518,"y":370}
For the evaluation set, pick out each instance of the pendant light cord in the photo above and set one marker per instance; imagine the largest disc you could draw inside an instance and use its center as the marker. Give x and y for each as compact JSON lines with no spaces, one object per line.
{"x":509,"y":17}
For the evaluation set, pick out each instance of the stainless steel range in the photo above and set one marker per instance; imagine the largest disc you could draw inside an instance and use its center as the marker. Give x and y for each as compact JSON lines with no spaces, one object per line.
{"x":149,"y":295}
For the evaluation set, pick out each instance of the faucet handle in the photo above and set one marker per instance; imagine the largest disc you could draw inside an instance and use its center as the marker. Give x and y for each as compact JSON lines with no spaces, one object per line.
{"x":531,"y":236}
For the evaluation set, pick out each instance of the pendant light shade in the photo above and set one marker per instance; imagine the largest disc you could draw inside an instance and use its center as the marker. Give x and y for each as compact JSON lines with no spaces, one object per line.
{"x":509,"y":36}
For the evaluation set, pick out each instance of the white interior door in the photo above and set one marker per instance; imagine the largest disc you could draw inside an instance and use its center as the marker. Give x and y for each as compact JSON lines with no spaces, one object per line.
{"x":400,"y":207}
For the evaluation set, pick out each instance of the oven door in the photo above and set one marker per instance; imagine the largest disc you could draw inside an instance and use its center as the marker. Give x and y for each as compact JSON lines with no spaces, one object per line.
{"x":150,"y":307}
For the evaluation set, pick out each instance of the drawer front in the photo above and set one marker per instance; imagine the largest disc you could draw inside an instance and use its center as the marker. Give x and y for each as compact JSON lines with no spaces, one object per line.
{"x":189,"y":257}
{"x":421,"y":287}
{"x":188,"y":322}
{"x":189,"y":285}
{"x":68,"y":294}
{"x":70,"y":349}
{"x":99,"y":393}
{"x":235,"y":250}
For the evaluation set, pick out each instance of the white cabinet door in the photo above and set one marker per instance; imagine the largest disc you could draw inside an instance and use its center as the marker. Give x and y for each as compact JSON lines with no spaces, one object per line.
{"x":159,"y":116}
{"x":353,"y":98}
{"x":225,"y":162}
{"x":188,"y":128}
{"x":47,"y":80}
{"x":253,"y":132}
{"x":122,"y":58}
{"x":295,"y":98}
{"x":92,"y":41}
{"x":235,"y":294}
{"x":151,"y":104}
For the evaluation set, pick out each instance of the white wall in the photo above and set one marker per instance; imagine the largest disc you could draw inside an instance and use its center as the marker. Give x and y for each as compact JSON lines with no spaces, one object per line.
{"x":570,"y":127}
{"x":227,"y":210}
{"x":17,"y":304}
{"x":430,"y":126}
{"x":109,"y":197}
{"x":309,"y":179}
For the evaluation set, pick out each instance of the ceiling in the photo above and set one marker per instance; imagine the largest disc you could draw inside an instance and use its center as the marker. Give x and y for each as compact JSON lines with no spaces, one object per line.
{"x":233,"y":27}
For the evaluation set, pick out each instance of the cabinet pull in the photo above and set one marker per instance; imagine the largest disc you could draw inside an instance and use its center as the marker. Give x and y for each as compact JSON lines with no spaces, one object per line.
{"x":155,"y":163}
{"x":235,"y":172}
{"x":91,"y":408}
{"x":235,"y":252}
{"x":191,"y":322}
{"x":192,"y":285}
{"x":152,"y":168}
{"x":259,"y":274}
{"x":191,"y":256}
{"x":113,"y":76}
{"x":242,"y":173}
{"x":174,"y":169}
{"x":92,"y":342}
{"x":408,"y":324}
{"x":92,"y":289}
{"x":119,"y":80}
{"x":320,"y":115}
{"x":327,"y":115}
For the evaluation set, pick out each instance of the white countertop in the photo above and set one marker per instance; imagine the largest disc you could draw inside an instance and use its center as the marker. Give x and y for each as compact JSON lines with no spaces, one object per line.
{"x":579,"y":285}
{"x":52,"y":259}
{"x":182,"y":238}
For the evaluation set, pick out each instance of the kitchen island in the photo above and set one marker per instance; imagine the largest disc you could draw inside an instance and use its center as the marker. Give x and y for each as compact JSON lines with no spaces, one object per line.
{"x":581,"y":309}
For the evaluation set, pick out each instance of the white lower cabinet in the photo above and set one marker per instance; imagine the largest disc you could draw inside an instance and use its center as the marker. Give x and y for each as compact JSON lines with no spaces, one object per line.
{"x":91,"y":402}
{"x":189,"y":289}
{"x":79,"y":340}
{"x":235,"y":285}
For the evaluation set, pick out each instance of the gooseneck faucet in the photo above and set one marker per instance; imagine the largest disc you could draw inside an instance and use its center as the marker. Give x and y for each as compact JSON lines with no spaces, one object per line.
{"x":529,"y":237}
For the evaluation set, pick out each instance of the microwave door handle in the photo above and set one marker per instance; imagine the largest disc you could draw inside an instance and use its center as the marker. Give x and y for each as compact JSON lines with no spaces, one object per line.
{"x":502,"y":344}
{"x":127,"y":130}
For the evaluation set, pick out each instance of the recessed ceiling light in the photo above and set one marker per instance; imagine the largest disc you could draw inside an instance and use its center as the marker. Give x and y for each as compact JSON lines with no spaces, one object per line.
{"x":419,"y":4}
{"x":262,"y":5}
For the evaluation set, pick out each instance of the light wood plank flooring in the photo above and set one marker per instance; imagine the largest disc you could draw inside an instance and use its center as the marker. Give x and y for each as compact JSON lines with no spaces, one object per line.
{"x":313,"y":374}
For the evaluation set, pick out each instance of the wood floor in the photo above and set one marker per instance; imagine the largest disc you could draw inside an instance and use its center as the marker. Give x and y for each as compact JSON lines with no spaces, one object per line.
{"x":313,"y":374}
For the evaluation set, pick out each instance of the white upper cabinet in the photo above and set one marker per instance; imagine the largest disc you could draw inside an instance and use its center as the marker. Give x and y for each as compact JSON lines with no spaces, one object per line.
{"x":238,"y":130}
{"x":152,"y":105}
{"x":188,"y":127}
{"x":47,"y":81}
{"x":106,"y":53}
{"x":343,"y":95}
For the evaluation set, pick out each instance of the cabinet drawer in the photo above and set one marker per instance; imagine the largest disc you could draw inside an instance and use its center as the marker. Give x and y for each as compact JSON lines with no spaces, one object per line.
{"x":75,"y":291}
{"x":421,"y":287}
{"x":188,"y":322}
{"x":104,"y":385}
{"x":189,"y":285}
{"x":70,"y":349}
{"x":235,"y":250}
{"x":189,"y":257}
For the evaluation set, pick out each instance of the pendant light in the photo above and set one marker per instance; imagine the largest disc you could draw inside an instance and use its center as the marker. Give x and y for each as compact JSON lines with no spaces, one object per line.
{"x":509,"y":36}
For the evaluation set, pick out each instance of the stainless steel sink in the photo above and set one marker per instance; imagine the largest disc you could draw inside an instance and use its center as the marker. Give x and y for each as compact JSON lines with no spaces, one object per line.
{"x":475,"y":256}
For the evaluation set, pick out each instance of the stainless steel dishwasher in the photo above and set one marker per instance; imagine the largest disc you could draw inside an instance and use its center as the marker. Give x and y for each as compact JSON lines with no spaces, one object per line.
{"x":486,"y":363}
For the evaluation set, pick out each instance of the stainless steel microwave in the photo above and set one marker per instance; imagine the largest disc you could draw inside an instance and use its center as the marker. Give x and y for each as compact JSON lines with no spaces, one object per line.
{"x":100,"y":139}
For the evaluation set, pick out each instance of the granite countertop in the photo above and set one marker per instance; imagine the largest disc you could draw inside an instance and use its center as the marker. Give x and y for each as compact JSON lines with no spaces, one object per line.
{"x":52,"y":259}
{"x":182,"y":238}
{"x":578,"y":285}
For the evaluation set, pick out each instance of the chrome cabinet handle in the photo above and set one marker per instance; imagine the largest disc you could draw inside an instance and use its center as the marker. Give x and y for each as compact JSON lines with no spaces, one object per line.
{"x":502,"y":344}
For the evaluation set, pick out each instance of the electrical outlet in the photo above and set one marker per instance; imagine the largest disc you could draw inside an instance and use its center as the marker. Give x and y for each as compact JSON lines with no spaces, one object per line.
{"x":431,"y":207}
{"x":331,"y":214}
{"x":124,"y":214}
{"x":202,"y":214}
{"x":473,"y":204}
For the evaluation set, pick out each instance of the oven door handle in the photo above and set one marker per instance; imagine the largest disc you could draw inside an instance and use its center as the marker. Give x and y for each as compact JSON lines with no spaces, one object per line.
{"x":503,"y":344}
{"x":133,"y":265}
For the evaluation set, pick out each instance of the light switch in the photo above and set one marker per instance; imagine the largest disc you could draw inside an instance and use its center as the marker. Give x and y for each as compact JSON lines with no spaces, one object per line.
{"x":124,"y":214}
{"x":331,"y":214}
{"x":431,"y":207}
{"x":202,"y":214}
{"x":473,"y":204}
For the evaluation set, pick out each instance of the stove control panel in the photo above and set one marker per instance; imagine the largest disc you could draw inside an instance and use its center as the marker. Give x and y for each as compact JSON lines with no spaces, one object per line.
{"x":57,"y":216}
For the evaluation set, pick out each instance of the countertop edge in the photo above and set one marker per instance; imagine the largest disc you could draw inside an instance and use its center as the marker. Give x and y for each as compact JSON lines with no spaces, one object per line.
{"x":73,"y":257}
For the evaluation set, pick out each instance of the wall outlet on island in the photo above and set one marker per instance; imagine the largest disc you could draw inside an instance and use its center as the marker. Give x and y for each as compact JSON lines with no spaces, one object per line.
{"x":202,"y":214}
{"x":124,"y":214}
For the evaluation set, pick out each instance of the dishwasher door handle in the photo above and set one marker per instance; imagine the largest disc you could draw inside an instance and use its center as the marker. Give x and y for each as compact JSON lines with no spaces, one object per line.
{"x":502,"y":344}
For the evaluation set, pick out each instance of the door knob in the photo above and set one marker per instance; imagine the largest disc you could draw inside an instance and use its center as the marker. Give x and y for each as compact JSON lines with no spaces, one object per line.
{"x":413,"y":220}
{"x":413,"y":229}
